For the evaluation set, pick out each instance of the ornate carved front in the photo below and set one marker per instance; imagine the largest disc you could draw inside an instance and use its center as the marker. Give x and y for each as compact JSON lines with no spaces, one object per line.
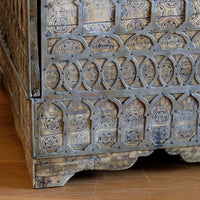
{"x":118,"y":75}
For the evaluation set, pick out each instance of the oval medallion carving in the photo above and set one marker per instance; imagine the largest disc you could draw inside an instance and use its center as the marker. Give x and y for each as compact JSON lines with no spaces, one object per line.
{"x":70,"y":47}
{"x":106,"y":45}
{"x":129,"y":73}
{"x":72,"y":76}
{"x":110,"y":73}
{"x":52,"y":77}
{"x":91,"y":74}
{"x":167,"y":71}
{"x":185,"y":69}
{"x":148,"y":71}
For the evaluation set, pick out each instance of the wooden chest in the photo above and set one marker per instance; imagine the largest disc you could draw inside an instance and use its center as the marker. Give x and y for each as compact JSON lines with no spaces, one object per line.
{"x":95,"y":84}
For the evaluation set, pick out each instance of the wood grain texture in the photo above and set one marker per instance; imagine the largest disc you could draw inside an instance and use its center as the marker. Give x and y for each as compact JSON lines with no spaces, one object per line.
{"x":15,"y":35}
{"x":156,"y":177}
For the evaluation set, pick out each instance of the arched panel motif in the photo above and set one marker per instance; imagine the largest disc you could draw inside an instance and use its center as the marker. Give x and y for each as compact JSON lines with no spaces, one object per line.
{"x":106,"y":123}
{"x":70,"y":46}
{"x":79,"y":126}
{"x":106,"y":44}
{"x":173,"y":41}
{"x":133,"y":122}
{"x":161,"y":120}
{"x":140,"y":43}
{"x":186,"y":119}
{"x":51,"y":128}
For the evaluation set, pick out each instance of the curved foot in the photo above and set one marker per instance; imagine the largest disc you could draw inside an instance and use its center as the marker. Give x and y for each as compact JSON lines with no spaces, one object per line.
{"x":55,"y":172}
{"x":53,"y":181}
{"x":189,"y":154}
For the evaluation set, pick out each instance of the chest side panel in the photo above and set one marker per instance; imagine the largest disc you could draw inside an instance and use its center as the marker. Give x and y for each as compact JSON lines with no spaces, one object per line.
{"x":118,"y":75}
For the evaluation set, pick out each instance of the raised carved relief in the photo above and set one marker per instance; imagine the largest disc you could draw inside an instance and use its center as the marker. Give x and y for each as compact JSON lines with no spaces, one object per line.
{"x":106,"y":124}
{"x":170,"y":14}
{"x":98,"y":15}
{"x":79,"y":126}
{"x":133,"y":122}
{"x":161,"y":120}
{"x":186,"y":119}
{"x":135,"y":15}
